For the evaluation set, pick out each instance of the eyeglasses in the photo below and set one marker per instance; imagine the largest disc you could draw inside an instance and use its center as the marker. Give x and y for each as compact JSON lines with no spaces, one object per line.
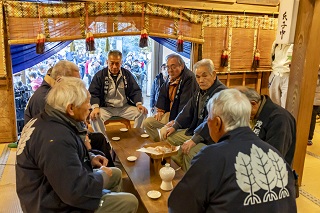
{"x":172,"y":67}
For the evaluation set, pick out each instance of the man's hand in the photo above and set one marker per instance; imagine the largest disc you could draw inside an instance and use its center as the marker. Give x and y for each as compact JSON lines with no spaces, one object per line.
{"x":107,"y":170}
{"x":142,"y":109}
{"x":186,"y":146}
{"x":170,"y":123}
{"x":95,"y":113}
{"x":158,"y":116}
{"x":99,"y":161}
{"x":169,"y":131}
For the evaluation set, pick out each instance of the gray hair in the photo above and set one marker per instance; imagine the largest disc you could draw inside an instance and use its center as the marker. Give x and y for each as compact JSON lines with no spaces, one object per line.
{"x":115,"y":53}
{"x":251,"y":94}
{"x":69,"y":90}
{"x":64,"y":68}
{"x":232,"y":107}
{"x":205,"y":63}
{"x":178,"y":57}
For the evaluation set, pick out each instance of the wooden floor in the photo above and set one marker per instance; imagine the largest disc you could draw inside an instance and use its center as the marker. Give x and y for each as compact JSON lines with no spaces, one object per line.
{"x":308,"y":202}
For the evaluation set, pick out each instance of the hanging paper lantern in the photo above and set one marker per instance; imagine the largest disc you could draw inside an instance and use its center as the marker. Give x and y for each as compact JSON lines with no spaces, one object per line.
{"x":90,"y":42}
{"x":143,"y":39}
{"x":40,"y":43}
{"x":180,"y":44}
{"x":256,"y":60}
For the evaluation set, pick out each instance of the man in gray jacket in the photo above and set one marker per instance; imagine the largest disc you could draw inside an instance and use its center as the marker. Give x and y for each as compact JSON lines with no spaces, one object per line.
{"x":190,"y":129}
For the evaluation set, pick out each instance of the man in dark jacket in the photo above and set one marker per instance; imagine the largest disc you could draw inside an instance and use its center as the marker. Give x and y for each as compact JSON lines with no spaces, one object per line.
{"x":272,"y":123}
{"x":182,"y":130}
{"x":173,"y":96}
{"x":156,"y":85}
{"x":114,"y":92}
{"x":240,"y":173}
{"x":37,"y":103}
{"x":54,"y":170}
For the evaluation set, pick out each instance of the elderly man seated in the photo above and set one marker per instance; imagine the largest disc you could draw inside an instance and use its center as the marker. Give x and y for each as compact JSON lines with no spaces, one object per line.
{"x":240,"y":173}
{"x":54,"y":171}
{"x":272,"y":123}
{"x":182,"y":130}
{"x":37,"y":103}
{"x":114,"y":92}
{"x":174,"y":94}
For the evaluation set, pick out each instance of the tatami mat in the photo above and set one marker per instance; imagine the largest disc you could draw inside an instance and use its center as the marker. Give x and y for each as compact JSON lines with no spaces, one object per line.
{"x":9,"y":202}
{"x":308,"y":202}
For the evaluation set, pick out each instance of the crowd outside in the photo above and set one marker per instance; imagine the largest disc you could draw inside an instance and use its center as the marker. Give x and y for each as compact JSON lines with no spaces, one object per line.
{"x":137,"y":64}
{"x":29,"y":80}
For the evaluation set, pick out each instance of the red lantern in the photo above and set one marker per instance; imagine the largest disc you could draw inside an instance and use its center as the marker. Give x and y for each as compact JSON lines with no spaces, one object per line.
{"x":90,"y":42}
{"x":256,"y":60}
{"x":40,"y":43}
{"x":180,"y":44}
{"x":143,"y":39}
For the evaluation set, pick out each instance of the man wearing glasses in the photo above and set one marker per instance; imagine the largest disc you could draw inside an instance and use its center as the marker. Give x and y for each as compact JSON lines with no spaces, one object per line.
{"x":173,"y":96}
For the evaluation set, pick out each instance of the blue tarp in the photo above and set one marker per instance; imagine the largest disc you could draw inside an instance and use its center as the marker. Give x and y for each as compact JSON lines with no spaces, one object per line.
{"x":25,"y":56}
{"x":172,"y":45}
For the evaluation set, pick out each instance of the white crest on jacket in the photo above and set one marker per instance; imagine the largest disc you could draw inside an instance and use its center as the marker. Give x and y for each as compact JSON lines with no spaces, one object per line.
{"x":263,"y":171}
{"x":25,"y":135}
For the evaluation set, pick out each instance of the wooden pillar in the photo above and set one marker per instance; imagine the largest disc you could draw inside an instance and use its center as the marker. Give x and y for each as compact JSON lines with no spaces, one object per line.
{"x":8,"y":128}
{"x":303,"y":75}
{"x":196,"y":50}
{"x":258,"y":84}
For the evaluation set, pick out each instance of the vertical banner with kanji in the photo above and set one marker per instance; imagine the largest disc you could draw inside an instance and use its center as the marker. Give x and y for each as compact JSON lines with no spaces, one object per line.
{"x":287,"y":21}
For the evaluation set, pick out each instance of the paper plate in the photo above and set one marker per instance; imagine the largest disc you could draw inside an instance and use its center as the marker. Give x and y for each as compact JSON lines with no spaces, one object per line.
{"x":153,"y":194}
{"x":123,"y":129}
{"x":115,"y":138}
{"x":144,"y":135}
{"x":132,"y":158}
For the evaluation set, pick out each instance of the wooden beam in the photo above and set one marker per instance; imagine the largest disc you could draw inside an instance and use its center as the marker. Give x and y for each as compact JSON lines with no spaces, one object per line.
{"x":303,"y":75}
{"x":226,"y":6}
